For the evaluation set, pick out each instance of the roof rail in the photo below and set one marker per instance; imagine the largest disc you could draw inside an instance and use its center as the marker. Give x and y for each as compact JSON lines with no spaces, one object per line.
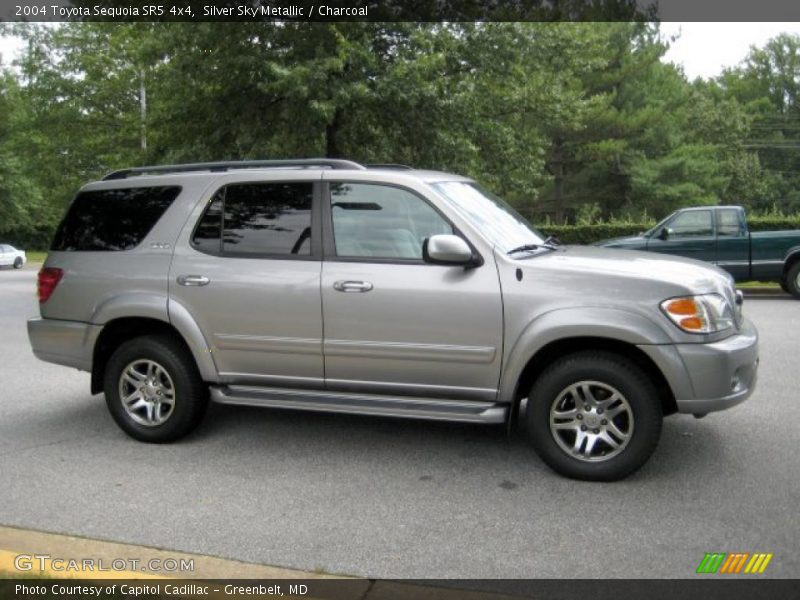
{"x":389,"y":166}
{"x":301,"y":163}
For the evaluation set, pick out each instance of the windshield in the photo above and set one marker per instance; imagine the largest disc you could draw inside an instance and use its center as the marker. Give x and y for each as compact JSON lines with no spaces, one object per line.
{"x":501,"y":224}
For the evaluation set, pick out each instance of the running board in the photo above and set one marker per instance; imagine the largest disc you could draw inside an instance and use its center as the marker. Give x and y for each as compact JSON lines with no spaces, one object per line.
{"x":463,"y":411}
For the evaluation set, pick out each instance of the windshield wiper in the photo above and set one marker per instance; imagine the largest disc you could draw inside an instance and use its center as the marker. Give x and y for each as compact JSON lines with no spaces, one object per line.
{"x":531,"y":248}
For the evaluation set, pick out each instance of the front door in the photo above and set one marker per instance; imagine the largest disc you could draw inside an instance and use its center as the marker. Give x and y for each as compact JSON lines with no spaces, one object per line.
{"x":250,"y":277}
{"x":393,"y":323}
{"x":690,"y":234}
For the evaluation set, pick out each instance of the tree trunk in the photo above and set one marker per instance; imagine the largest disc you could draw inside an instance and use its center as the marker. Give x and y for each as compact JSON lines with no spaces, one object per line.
{"x":556,"y":167}
{"x":143,"y":110}
{"x":332,"y":129}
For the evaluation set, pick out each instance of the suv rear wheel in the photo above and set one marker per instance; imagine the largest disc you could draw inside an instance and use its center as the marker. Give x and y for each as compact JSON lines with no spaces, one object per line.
{"x":153,"y":389}
{"x":594,"y":416}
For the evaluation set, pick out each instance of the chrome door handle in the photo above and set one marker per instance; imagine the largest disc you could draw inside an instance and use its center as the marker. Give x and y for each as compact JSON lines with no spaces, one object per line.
{"x":193,"y":280}
{"x":352,"y":286}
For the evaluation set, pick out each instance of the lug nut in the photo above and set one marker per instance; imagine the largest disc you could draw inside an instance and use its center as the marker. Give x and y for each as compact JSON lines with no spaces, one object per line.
{"x":587,"y":408}
{"x":579,"y":417}
{"x":583,"y":427}
{"x":603,"y":422}
{"x":596,"y":431}
{"x":599,"y":411}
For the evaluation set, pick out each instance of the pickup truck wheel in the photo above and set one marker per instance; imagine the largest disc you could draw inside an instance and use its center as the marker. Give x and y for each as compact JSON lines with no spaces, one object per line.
{"x":18,"y":263}
{"x":153,"y":389}
{"x":594,"y":416}
{"x":793,"y":280}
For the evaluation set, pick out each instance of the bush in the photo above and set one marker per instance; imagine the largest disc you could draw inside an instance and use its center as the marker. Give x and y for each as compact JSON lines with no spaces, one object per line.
{"x":588,"y":234}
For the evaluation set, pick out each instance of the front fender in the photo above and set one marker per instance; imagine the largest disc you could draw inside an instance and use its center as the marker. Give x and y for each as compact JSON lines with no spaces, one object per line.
{"x":578,"y":322}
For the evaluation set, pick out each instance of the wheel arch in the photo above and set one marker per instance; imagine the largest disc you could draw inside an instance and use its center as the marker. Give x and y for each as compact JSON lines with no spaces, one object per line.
{"x":119,"y":330}
{"x":557,"y":349}
{"x":792,"y":258}
{"x":560,"y":332}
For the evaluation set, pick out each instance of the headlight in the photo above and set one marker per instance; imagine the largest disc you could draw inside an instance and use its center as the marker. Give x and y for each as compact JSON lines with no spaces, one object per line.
{"x":708,"y":313}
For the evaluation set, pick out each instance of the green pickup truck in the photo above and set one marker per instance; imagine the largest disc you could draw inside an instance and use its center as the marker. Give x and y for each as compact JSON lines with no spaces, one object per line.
{"x":719,"y":234}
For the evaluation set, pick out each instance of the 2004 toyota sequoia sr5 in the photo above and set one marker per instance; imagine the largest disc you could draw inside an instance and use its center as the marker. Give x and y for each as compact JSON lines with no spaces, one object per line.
{"x":323,"y":285}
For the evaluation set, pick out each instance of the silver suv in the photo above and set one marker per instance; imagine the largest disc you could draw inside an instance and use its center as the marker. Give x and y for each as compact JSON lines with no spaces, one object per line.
{"x":328,"y":286}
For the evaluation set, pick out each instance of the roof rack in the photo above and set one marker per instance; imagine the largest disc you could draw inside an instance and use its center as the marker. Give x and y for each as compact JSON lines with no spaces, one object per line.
{"x":302,"y":163}
{"x":390,"y":166}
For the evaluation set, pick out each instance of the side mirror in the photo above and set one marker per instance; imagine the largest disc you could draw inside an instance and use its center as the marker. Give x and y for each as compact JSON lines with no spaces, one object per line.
{"x":664,"y":234}
{"x":446,"y":249}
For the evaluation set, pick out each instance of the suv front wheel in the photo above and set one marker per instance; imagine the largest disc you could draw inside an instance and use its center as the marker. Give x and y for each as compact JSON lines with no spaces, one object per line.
{"x":153,"y":389}
{"x":594,"y":416}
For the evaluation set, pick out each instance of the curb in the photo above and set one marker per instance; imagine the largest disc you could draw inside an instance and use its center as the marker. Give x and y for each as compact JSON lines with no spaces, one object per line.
{"x":15,"y":541}
{"x":764,"y":291}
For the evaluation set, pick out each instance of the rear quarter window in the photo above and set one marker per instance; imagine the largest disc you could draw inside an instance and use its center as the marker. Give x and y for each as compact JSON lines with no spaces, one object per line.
{"x":112,"y":220}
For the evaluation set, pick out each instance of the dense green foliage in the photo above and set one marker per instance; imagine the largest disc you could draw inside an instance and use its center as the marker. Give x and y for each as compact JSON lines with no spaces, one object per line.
{"x":569,"y":121}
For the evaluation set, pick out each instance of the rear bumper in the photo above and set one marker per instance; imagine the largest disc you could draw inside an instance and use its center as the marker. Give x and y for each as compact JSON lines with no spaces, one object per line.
{"x":68,"y":343}
{"x":710,"y":377}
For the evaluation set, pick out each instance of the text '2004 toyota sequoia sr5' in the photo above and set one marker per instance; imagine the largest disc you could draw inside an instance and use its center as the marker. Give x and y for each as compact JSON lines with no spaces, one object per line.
{"x":323,"y":285}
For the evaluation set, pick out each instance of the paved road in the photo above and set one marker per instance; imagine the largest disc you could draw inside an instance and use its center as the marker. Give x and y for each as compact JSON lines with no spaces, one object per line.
{"x":386,"y":498}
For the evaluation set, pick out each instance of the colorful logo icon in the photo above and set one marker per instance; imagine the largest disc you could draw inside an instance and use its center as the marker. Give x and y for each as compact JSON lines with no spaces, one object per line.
{"x":734,"y":563}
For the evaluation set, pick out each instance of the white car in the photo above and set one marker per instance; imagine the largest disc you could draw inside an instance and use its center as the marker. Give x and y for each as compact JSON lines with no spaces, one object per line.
{"x":11,"y":257}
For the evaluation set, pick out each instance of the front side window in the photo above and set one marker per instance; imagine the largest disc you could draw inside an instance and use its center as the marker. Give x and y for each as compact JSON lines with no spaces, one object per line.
{"x":379,"y":221}
{"x":257,"y":219}
{"x":693,"y":223}
{"x":106,"y":220}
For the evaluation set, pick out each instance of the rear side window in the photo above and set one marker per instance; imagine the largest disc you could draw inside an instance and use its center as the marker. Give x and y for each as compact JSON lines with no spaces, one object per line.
{"x":108,"y":220}
{"x":257,"y":219}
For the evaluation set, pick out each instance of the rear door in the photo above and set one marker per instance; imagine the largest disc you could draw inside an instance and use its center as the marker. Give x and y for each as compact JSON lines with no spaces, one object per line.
{"x":250,"y":276}
{"x":393,"y":323}
{"x":5,"y":255}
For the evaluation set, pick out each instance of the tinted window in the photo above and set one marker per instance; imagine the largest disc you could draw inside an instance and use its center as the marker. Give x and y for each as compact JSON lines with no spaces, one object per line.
{"x":258,"y":219}
{"x":729,"y":222}
{"x":691,"y":223}
{"x":381,"y":221}
{"x":207,"y":235}
{"x":112,"y":219}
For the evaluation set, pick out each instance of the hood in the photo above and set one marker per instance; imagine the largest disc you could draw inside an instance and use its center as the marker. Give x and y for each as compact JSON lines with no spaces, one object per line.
{"x":596,"y":263}
{"x":637,"y":241}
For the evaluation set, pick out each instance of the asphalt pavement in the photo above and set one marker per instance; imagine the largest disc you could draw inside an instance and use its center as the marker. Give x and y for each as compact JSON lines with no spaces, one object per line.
{"x":400,"y":499}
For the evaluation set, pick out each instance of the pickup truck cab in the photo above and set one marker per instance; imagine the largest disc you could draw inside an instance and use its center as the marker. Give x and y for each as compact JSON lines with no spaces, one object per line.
{"x":719,"y":235}
{"x":324,"y":285}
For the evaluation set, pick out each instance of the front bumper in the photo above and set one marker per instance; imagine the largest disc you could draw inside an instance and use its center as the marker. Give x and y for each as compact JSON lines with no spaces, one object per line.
{"x":709,"y":377}
{"x":68,"y":343}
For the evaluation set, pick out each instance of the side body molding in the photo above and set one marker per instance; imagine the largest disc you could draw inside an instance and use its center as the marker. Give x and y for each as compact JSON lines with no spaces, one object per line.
{"x":576,"y":322}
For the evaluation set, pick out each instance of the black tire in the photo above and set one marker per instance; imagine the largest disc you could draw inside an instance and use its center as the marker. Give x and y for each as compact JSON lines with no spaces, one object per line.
{"x":610,"y":370}
{"x":189,"y":392}
{"x":18,"y":263}
{"x":792,"y":280}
